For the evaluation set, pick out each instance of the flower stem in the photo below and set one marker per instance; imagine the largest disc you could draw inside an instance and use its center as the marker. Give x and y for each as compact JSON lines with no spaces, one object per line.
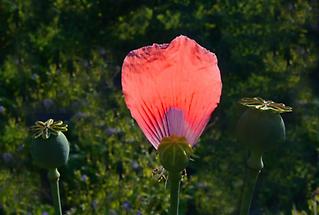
{"x":54,"y":176}
{"x":174,"y":180}
{"x":254,"y":166}
{"x":249,"y":186}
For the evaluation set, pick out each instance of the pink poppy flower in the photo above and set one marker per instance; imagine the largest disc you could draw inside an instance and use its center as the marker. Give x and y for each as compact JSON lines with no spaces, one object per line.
{"x":171,"y":89}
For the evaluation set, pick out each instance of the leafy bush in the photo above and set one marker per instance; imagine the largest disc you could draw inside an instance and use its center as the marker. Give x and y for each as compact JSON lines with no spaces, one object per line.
{"x":61,"y":60}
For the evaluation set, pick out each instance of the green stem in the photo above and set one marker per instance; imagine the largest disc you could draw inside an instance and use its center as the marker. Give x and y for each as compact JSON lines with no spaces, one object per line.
{"x":254,"y":166}
{"x":174,"y":180}
{"x":54,"y":176}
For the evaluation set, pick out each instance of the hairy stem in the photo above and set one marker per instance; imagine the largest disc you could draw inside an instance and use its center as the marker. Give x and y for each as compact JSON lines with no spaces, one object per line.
{"x":249,"y":187}
{"x":254,"y":166}
{"x":54,"y":176}
{"x":174,"y":180}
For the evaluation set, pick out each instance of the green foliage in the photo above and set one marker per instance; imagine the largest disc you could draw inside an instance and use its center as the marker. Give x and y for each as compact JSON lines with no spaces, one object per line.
{"x":61,"y":60}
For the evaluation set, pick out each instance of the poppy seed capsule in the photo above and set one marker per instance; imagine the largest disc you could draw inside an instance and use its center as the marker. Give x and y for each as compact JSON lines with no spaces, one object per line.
{"x":52,"y":152}
{"x":260,"y":131}
{"x":174,"y":153}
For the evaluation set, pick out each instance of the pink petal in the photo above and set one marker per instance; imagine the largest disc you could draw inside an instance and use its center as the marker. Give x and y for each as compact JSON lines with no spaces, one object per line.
{"x":171,"y":89}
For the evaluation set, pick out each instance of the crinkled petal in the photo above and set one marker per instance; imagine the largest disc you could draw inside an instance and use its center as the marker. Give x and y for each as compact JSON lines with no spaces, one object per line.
{"x":171,"y":89}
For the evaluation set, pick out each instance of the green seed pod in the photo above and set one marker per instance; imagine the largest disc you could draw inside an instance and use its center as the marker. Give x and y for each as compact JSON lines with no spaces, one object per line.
{"x":174,"y":153}
{"x":52,"y":152}
{"x":50,"y":148}
{"x":260,"y":131}
{"x":261,"y":127}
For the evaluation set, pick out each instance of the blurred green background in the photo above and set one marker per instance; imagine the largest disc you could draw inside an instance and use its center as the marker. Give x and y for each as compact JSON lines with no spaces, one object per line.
{"x":62,"y":59}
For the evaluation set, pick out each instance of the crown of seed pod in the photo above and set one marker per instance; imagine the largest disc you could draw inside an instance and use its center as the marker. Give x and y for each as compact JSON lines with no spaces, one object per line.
{"x":261,"y":127}
{"x":49,"y":148}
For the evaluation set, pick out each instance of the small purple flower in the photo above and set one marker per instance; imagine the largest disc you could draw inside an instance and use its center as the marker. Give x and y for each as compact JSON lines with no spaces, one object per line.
{"x":84,"y":178}
{"x":7,"y":157}
{"x":16,"y":61}
{"x":58,"y":69}
{"x":112,"y":131}
{"x":45,"y":213}
{"x":290,"y":7}
{"x":302,"y":52}
{"x":94,"y":204}
{"x":126,"y":205}
{"x":80,"y":115}
{"x":47,"y":103}
{"x":102,"y":51}
{"x":34,"y":76}
{"x":201,"y":185}
{"x":135,"y":165}
{"x":2,"y":109}
{"x":20,"y":147}
{"x":87,"y":63}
